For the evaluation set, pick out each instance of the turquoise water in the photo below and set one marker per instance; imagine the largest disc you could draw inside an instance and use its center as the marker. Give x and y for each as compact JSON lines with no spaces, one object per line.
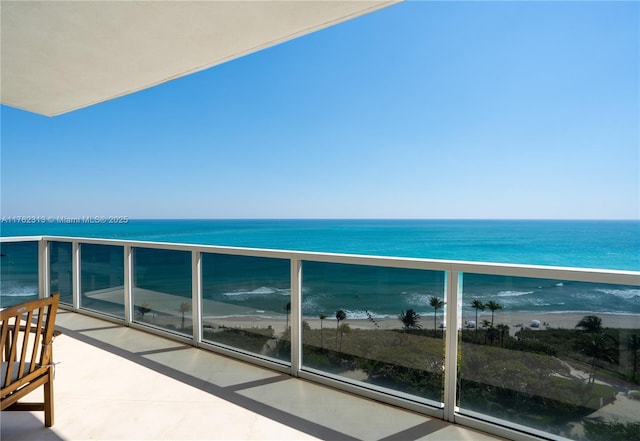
{"x":589,"y":244}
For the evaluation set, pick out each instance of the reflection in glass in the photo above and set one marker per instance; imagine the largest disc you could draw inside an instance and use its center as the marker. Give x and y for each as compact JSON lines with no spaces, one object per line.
{"x":162,"y":289}
{"x":377,"y":325}
{"x":554,"y":355}
{"x":247,"y":303}
{"x":61,"y":270}
{"x":102,"y":278}
{"x":18,"y":272}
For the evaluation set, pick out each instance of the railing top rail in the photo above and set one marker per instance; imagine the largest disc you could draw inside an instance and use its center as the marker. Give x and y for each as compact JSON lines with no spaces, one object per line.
{"x":20,"y":238}
{"x":619,"y":277}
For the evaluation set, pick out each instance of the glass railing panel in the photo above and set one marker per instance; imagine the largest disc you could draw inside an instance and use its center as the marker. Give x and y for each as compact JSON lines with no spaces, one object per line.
{"x":246,"y":304}
{"x":18,"y":272}
{"x":375,"y":325}
{"x":102,"y":278}
{"x":162,"y":289}
{"x":557,"y":356}
{"x":61,"y":266}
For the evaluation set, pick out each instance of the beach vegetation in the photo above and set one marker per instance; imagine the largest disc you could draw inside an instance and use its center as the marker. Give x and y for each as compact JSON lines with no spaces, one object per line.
{"x":255,"y":339}
{"x":528,"y":388}
{"x":410,"y":319}
{"x":633,"y":346}
{"x":611,"y":430}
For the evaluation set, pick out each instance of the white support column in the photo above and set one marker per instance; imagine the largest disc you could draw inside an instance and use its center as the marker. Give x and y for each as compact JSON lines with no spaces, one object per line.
{"x":75,"y":273}
{"x":128,"y":284}
{"x":196,"y":295}
{"x":296,"y":316}
{"x":453,"y":286}
{"x":44,"y":269}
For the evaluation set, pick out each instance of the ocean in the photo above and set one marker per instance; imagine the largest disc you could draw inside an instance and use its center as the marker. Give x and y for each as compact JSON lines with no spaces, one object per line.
{"x":584,"y":244}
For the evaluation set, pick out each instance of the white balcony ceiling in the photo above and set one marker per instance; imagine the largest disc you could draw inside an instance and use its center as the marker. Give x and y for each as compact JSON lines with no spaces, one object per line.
{"x":59,"y":56}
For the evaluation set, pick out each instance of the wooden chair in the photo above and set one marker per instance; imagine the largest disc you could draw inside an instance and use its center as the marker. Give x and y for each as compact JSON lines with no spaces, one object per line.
{"x":27,"y":334}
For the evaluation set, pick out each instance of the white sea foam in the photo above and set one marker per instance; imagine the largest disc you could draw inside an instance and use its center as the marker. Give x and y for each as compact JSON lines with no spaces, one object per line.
{"x":362,"y":315}
{"x":259,"y":292}
{"x":418,"y":298}
{"x":309,"y":304}
{"x":513,"y":293}
{"x":14,"y":289}
{"x":626,"y":294}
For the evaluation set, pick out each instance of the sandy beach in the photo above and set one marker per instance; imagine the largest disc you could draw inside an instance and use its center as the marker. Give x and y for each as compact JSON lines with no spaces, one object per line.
{"x":552,"y":320}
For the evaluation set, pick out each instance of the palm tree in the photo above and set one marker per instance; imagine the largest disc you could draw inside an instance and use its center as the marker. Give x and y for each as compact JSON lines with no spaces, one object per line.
{"x":598,"y":346}
{"x":491,"y":333}
{"x":287,"y":308}
{"x":410,"y":319}
{"x":633,"y":345}
{"x":184,"y":307}
{"x":493,"y":306}
{"x":478,"y":305}
{"x":590,"y":323}
{"x":486,"y":324}
{"x":504,"y":331}
{"x":436,"y":304}
{"x":344,"y":328}
{"x":340,"y":315}
{"x":322,"y":317}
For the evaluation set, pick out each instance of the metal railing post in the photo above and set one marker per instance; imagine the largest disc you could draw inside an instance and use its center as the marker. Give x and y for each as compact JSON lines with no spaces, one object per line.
{"x":44,"y":285}
{"x":128,"y":285}
{"x":296,"y":316}
{"x":196,"y":295}
{"x":75,"y":274}
{"x":451,"y":345}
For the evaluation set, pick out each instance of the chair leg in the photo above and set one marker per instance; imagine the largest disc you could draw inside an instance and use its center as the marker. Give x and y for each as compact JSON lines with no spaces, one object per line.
{"x":48,"y":400}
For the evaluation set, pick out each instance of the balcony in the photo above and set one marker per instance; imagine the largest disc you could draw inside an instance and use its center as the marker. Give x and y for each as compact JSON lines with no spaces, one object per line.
{"x":256,"y":333}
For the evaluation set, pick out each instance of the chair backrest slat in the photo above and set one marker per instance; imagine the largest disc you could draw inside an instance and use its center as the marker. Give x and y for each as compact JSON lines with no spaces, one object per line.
{"x":5,"y":351}
{"x":14,"y":334}
{"x":38,"y":333}
{"x":25,"y":339}
{"x":27,"y":333}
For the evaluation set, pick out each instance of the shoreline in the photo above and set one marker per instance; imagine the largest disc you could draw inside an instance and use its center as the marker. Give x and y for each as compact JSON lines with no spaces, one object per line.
{"x":551,"y":319}
{"x":219,"y":313}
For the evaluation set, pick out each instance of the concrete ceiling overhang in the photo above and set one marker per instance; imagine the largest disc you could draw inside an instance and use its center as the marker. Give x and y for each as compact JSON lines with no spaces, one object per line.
{"x":59,"y":56}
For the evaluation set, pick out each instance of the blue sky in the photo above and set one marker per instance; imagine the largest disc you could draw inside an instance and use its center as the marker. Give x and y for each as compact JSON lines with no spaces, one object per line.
{"x":422,"y":110}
